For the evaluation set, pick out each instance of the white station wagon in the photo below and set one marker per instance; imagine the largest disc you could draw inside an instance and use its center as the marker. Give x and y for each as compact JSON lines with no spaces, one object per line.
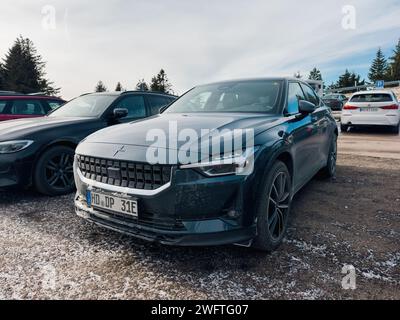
{"x":380,"y":108}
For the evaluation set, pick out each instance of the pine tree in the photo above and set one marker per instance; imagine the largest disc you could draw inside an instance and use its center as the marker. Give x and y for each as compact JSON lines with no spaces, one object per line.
{"x":100,"y":87}
{"x":142,"y":85}
{"x":332,"y":86}
{"x":118,"y":87}
{"x":379,"y":67}
{"x":349,"y":79}
{"x":394,"y":66}
{"x":344,"y":80}
{"x":23,"y":69}
{"x":315,"y":74}
{"x":160,"y":83}
{"x":355,"y":79}
{"x":2,"y":84}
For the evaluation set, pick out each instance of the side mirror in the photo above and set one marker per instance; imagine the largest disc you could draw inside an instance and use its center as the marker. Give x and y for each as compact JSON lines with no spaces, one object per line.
{"x":119,"y":113}
{"x":306,"y":107}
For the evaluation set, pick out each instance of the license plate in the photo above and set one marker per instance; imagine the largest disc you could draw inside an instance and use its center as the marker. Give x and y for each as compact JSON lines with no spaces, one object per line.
{"x":112,"y":203}
{"x":369,"y":109}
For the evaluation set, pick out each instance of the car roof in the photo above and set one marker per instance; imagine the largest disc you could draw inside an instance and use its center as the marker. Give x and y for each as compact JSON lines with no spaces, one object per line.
{"x":6,"y":92}
{"x":120,"y":93}
{"x":257,"y":79}
{"x":25,"y":96}
{"x":374,"y":91}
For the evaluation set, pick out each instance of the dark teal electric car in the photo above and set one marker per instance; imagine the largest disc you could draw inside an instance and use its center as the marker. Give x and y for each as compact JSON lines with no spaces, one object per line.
{"x":161,"y":180}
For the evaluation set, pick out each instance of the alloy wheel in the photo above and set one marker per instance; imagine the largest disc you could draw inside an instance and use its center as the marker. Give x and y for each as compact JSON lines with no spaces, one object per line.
{"x":59,"y":171}
{"x":333,"y":158}
{"x":279,"y":203}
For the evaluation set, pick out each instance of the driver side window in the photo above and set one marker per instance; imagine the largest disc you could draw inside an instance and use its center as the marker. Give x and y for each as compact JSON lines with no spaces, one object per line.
{"x":295,"y":94}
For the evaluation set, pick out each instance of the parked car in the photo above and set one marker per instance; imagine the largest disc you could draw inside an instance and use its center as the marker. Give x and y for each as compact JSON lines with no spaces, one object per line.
{"x":17,"y":106}
{"x":335,"y":101}
{"x":208,"y":203}
{"x":338,"y":96}
{"x":366,"y":108}
{"x":40,"y":151}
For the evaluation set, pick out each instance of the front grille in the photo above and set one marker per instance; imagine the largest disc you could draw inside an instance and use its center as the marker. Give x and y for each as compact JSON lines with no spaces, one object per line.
{"x":129,"y":174}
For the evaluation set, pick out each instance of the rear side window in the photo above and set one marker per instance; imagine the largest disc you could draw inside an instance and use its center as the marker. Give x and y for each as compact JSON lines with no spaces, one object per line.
{"x":295,"y":94}
{"x":2,"y":105}
{"x":54,"y":104}
{"x":373,"y":97}
{"x":157,"y":102}
{"x":27,"y":107}
{"x":135,"y":105}
{"x":310,"y":94}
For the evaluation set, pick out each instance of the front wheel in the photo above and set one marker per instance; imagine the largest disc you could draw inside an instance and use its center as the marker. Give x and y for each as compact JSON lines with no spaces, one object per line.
{"x":54,"y":171}
{"x":330,"y":170}
{"x":274,"y":200}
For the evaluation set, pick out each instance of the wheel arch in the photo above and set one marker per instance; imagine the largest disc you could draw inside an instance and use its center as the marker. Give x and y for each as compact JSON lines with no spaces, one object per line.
{"x":287,"y":159}
{"x":65,"y":142}
{"x":280,"y":152}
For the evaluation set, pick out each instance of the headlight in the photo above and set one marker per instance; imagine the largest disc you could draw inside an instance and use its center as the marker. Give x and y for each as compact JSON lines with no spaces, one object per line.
{"x":240,"y":163}
{"x":14,"y":146}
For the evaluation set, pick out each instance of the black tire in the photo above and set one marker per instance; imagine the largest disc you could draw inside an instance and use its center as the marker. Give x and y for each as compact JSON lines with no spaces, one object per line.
{"x":273,"y":208}
{"x":53,"y":173}
{"x":344,"y":127}
{"x":396,"y":130}
{"x":330,"y":170}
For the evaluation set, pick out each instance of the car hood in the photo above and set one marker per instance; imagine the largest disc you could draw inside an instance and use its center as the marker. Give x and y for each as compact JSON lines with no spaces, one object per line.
{"x":137,"y":133}
{"x":16,"y":129}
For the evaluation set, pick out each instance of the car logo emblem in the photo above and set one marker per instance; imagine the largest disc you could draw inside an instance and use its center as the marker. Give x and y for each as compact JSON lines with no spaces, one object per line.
{"x":122,"y":149}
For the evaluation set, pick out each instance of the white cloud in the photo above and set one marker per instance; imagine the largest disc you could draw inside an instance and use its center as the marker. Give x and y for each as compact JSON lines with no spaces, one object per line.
{"x":194,"y":41}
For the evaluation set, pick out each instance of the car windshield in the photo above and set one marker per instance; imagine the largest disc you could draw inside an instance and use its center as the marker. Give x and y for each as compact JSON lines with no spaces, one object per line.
{"x":89,"y":106}
{"x":373,"y":97}
{"x":237,"y":96}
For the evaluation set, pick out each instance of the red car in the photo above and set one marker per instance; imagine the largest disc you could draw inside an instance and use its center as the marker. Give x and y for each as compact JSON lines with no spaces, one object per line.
{"x":17,"y":106}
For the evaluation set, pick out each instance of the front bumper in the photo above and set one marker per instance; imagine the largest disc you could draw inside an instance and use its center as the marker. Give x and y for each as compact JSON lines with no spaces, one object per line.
{"x":191,"y":210}
{"x":14,"y":170}
{"x":202,"y":233}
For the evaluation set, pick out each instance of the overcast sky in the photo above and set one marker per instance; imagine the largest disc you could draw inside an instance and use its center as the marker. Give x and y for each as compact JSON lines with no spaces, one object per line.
{"x":197,"y":41}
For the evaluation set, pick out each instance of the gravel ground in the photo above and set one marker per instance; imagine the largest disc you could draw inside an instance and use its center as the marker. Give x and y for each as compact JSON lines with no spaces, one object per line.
{"x":48,"y":252}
